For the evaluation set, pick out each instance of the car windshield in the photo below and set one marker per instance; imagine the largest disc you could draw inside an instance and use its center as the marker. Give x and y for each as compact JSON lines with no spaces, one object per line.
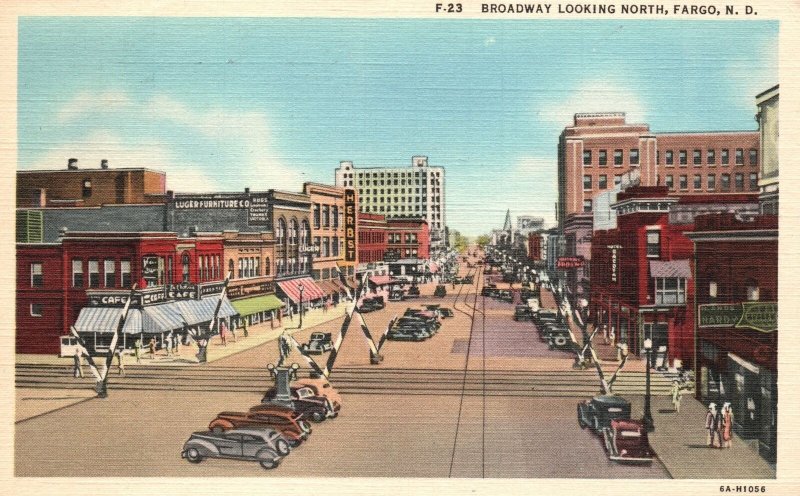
{"x":630,"y":434}
{"x":304,"y":393}
{"x":615,"y":409}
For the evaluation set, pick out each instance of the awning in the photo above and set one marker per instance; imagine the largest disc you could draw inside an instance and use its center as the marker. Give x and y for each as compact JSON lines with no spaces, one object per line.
{"x":106,"y":320}
{"x":672,"y":268}
{"x":198,"y":311}
{"x":329,"y":287}
{"x":380,"y":280}
{"x":310,"y":290}
{"x":254,"y":304}
{"x":407,"y":261}
{"x":163,"y":317}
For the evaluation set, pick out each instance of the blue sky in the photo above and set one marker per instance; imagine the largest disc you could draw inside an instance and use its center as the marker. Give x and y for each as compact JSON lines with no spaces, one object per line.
{"x":224,"y":104}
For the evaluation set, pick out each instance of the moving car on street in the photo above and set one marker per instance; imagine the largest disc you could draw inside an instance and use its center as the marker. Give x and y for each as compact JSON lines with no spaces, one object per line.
{"x":446,"y":313}
{"x":522,"y":312}
{"x":265,"y":446}
{"x":626,"y":442}
{"x":599,"y":411}
{"x":413,"y":292}
{"x":318,"y":343}
{"x":284,"y":420}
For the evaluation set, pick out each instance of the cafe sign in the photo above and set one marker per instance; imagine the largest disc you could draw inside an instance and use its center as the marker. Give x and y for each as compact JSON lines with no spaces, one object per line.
{"x":761,"y":316}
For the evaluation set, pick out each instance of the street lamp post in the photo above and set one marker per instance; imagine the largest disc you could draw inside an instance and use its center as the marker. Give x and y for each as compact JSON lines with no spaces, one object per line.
{"x":648,"y":417}
{"x":302,"y":288}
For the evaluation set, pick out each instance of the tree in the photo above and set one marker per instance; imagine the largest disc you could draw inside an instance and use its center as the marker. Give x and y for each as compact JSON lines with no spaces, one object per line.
{"x":483,"y":240}
{"x":459,"y":242}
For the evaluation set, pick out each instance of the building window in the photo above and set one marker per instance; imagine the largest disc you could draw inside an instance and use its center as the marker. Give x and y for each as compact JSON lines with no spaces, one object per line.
{"x":726,"y":158}
{"x":753,"y":181}
{"x":602,"y":181}
{"x":185,"y":264}
{"x":87,"y":188}
{"x":94,"y":274}
{"x":669,"y":182}
{"x":108,"y":271}
{"x":617,"y":179}
{"x":587,"y":157}
{"x":37,"y":277}
{"x":697,"y":157}
{"x":77,"y":273}
{"x":336,"y":216}
{"x":712,"y":182}
{"x":753,"y":293}
{"x":670,"y":291}
{"x":682,"y":157}
{"x":684,"y":184}
{"x":316,"y":215}
{"x":670,"y":158}
{"x":617,"y":158}
{"x":725,"y":182}
{"x":37,"y":309}
{"x":753,"y":156}
{"x":587,"y":206}
{"x":712,"y":289}
{"x":125,"y":273}
{"x":267,"y":266}
{"x":280,"y":232}
{"x":602,"y":158}
{"x":634,"y":156}
{"x":739,"y":181}
{"x":326,"y":216}
{"x":587,"y":182}
{"x":698,"y":181}
{"x":739,"y":156}
{"x":335,"y":246}
{"x":653,"y":243}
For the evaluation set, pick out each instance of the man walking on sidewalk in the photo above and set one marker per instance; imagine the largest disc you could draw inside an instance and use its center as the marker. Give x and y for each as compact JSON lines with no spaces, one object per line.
{"x":676,"y":396}
{"x":711,"y":428}
{"x":78,"y":365}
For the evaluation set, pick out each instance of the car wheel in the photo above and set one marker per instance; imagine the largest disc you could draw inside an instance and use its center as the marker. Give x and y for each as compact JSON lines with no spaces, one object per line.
{"x":561,"y":341}
{"x":317,"y":416}
{"x":282,"y":447}
{"x":269,"y":464}
{"x":294,"y":443}
{"x":193,"y":455}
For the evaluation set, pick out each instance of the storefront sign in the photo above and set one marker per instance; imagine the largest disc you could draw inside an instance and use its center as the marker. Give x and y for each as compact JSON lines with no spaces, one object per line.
{"x":391,"y":255}
{"x":569,"y":262}
{"x":201,"y":203}
{"x":251,"y":289}
{"x":756,"y":315}
{"x":211,"y":288}
{"x":350,"y":214}
{"x":150,"y":268}
{"x":258,"y":214}
{"x":181,"y":291}
{"x":614,"y":249}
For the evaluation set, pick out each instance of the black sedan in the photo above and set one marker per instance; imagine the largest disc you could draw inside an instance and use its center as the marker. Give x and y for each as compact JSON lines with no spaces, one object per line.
{"x":599,"y":411}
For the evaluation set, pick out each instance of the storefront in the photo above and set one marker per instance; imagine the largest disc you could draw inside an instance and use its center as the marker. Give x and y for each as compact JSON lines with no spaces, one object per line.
{"x":302,"y":287}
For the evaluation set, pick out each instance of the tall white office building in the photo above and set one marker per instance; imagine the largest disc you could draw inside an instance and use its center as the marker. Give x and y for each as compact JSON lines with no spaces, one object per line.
{"x":417,"y":191}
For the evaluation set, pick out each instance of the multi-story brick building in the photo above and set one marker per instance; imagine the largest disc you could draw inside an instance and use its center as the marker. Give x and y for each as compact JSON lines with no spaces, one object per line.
{"x":74,"y":186}
{"x":767,"y":117}
{"x":401,"y":192}
{"x":372,"y":238}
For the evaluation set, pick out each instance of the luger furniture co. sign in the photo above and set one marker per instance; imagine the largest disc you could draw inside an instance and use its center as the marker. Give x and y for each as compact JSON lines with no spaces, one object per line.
{"x":350,"y":225}
{"x":758,"y":315}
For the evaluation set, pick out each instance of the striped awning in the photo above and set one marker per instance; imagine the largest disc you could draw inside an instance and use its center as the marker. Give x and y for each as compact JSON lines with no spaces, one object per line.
{"x":106,"y":320}
{"x":380,"y":280}
{"x":161,"y":318}
{"x":680,"y":269}
{"x":329,"y":287}
{"x":199,"y":311}
{"x":291,"y":288}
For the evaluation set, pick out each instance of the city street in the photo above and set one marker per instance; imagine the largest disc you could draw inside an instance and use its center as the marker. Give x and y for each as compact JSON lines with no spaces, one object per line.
{"x":484,"y":397}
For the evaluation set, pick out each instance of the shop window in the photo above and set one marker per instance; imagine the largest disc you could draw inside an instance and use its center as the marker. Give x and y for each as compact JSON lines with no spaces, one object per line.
{"x":125,"y":273}
{"x":634,"y":156}
{"x":587,"y":157}
{"x":602,"y":158}
{"x":108,"y":271}
{"x":77,"y":273}
{"x":725,"y":156}
{"x":669,"y":157}
{"x":670,"y":291}
{"x":653,"y":243}
{"x":682,"y":157}
{"x":37,"y":277}
{"x":617,"y":158}
{"x":37,"y":309}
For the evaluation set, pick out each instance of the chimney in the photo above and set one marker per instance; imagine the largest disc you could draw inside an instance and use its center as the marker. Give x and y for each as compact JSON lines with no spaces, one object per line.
{"x":104,"y":164}
{"x":72,"y":164}
{"x":170,"y":194}
{"x":247,"y":191}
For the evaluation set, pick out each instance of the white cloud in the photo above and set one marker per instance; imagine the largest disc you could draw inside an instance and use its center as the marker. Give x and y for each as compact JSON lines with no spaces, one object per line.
{"x":490,"y":40}
{"x":86,"y":103}
{"x":599,"y":95}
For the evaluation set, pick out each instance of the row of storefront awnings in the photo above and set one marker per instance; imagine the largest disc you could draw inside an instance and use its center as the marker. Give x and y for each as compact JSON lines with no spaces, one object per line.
{"x":256,"y":304}
{"x":311,"y":291}
{"x":154,"y":319}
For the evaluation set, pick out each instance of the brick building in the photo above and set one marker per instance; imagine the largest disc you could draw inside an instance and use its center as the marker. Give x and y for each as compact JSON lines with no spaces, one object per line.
{"x":372,"y":238}
{"x":74,"y":186}
{"x":83,"y":280}
{"x":408,"y":242}
{"x":736,"y":274}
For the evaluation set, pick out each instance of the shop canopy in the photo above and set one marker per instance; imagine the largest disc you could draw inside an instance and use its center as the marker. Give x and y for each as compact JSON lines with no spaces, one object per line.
{"x":329,"y":287}
{"x":198,"y":311}
{"x":380,"y":280}
{"x":670,"y":269}
{"x":310,"y":290}
{"x":255,"y":304}
{"x":106,"y":320}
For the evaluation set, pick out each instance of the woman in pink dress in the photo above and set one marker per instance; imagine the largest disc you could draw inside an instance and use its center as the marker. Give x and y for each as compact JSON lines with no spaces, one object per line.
{"x":727,"y":425}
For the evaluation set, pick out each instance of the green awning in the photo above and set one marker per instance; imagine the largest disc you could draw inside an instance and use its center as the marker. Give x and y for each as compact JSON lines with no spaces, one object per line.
{"x":254,"y":304}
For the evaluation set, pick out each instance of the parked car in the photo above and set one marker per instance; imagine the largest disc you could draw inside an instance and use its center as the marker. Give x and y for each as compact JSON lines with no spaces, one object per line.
{"x":370,"y":305}
{"x":413,"y":292}
{"x":265,"y":446}
{"x":397,"y":295}
{"x":318,"y":343}
{"x":522,"y":312}
{"x":321,"y":387}
{"x":446,"y":313}
{"x":559,"y":340}
{"x":626,"y":442}
{"x":284,"y":420}
{"x":599,"y":411}
{"x":315,"y":408}
{"x":505,"y":295}
{"x":440,"y":291}
{"x":489,"y":290}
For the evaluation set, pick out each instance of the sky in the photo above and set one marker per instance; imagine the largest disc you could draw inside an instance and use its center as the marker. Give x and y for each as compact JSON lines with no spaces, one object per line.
{"x":224,"y":104}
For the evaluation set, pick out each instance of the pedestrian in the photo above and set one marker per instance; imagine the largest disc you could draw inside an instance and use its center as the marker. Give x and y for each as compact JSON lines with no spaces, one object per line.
{"x":78,"y":363}
{"x":676,"y":396}
{"x":233,"y":333}
{"x":152,"y":347}
{"x":167,"y":343}
{"x":711,"y":416}
{"x":244,"y":328}
{"x":727,"y":425}
{"x":719,"y":426}
{"x":176,"y":341}
{"x":121,"y":362}
{"x":137,"y":350}
{"x":222,"y":336}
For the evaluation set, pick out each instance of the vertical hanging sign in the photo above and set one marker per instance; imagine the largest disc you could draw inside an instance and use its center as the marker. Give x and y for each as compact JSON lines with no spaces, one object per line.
{"x":350,"y":225}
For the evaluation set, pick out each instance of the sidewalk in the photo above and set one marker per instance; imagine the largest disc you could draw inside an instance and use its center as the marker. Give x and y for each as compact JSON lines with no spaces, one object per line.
{"x":257,"y":335}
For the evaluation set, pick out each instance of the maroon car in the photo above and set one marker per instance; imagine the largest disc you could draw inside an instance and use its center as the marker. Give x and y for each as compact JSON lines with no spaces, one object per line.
{"x":315,"y":408}
{"x":284,"y":420}
{"x":626,"y":442}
